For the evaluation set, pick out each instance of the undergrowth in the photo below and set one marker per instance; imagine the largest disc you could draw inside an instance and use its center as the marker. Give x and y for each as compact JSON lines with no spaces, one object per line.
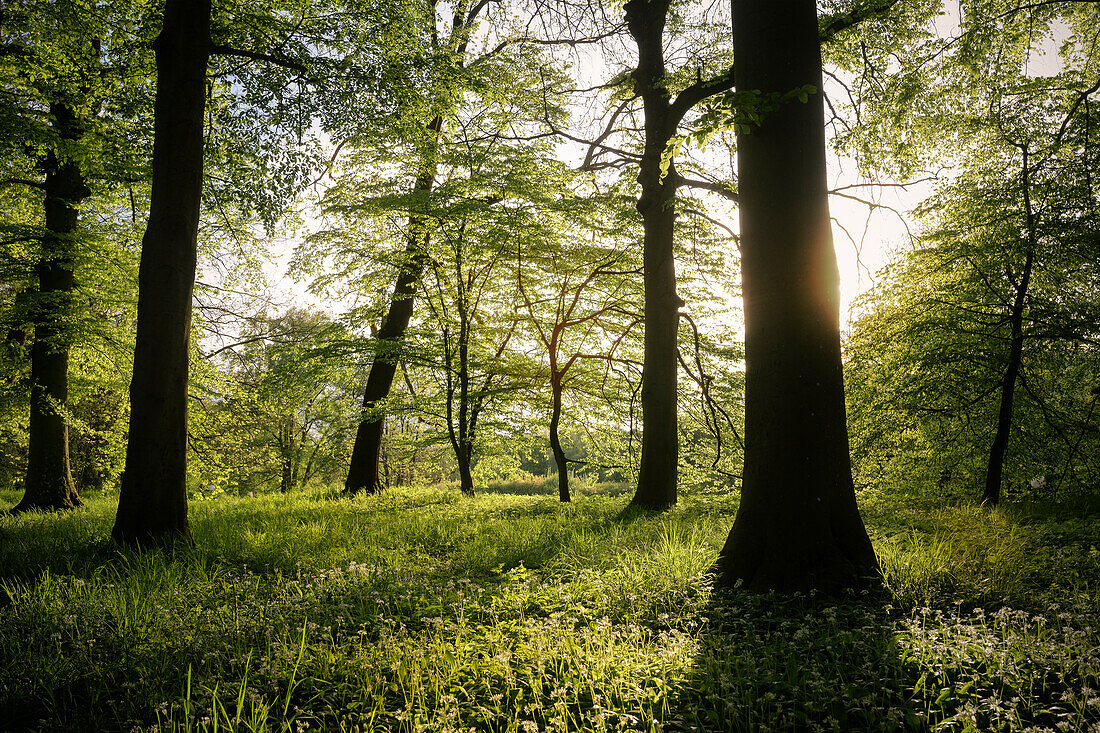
{"x":421,"y":610}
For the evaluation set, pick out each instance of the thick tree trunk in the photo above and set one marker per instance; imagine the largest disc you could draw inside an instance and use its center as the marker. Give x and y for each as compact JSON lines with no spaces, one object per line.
{"x":798,"y":527}
{"x":991,"y":495}
{"x":555,"y":439}
{"x":464,"y":459}
{"x":49,"y":482}
{"x":660,"y":440}
{"x":152,"y":507}
{"x":363,"y":473}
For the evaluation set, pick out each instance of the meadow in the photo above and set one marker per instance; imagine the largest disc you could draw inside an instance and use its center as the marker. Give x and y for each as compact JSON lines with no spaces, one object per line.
{"x":422,"y":610}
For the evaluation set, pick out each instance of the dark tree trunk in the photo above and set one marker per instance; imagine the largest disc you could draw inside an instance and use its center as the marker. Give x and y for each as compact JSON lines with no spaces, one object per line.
{"x":152,"y":507}
{"x":798,"y":527}
{"x":464,"y":448}
{"x":660,"y":441}
{"x":464,"y":458}
{"x":49,"y":482}
{"x":286,"y":450}
{"x":991,"y":495}
{"x":555,"y":440}
{"x":363,"y":474}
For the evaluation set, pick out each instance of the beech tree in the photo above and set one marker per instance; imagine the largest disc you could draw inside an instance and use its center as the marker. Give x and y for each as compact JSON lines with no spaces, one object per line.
{"x":450,"y":44}
{"x":797,"y":525}
{"x":153,"y":501}
{"x":152,"y":506}
{"x":60,"y":132}
{"x":659,"y":181}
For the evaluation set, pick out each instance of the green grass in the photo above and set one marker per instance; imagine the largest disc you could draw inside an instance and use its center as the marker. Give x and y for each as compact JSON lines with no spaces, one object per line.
{"x":421,"y":610}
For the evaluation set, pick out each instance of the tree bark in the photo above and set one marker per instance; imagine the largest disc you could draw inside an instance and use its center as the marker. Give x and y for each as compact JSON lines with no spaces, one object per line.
{"x":555,"y":439}
{"x":464,"y":450}
{"x":152,"y":508}
{"x":286,"y":450}
{"x":49,"y":482}
{"x":363,"y":475}
{"x":991,"y":495}
{"x":660,"y":441}
{"x":797,"y":527}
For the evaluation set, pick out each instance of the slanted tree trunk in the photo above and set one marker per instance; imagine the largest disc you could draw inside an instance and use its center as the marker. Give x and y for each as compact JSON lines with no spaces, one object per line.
{"x":798,"y":527}
{"x":991,"y":495}
{"x":152,"y":507}
{"x":660,"y":440}
{"x":555,"y":440}
{"x":49,"y":482}
{"x":363,"y":475}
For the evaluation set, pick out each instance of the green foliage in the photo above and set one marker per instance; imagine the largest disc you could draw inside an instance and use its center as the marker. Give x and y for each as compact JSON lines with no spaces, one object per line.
{"x":275,"y":412}
{"x":1013,"y":226}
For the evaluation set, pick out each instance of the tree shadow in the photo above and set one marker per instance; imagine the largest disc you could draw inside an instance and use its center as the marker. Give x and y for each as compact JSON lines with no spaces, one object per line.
{"x":771,"y":662}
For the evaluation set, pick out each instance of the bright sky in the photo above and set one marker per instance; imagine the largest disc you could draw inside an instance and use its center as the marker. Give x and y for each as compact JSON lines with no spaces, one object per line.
{"x":866,"y":238}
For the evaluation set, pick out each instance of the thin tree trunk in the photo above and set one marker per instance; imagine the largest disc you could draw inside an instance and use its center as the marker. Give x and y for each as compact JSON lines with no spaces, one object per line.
{"x":797,"y":527}
{"x":49,"y":482}
{"x":465,"y":449}
{"x":152,"y":507}
{"x":555,"y":440}
{"x":991,"y":495}
{"x":286,"y":451}
{"x":660,"y":440}
{"x":363,"y":474}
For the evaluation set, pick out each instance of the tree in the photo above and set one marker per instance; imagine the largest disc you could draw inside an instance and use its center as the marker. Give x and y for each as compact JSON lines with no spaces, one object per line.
{"x":451,"y":45}
{"x":968,"y":330}
{"x":585,"y":303}
{"x":152,"y":505}
{"x":659,"y":181}
{"x":62,"y":136}
{"x":153,"y":501}
{"x":273,"y":408}
{"x":995,"y":297}
{"x":797,"y":526}
{"x":49,"y":483}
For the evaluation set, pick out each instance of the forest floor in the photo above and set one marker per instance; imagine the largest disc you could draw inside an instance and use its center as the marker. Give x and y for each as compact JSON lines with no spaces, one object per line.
{"x":421,"y":610}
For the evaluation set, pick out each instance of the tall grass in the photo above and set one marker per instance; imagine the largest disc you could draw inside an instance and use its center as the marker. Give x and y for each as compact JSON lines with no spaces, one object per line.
{"x":420,"y":610}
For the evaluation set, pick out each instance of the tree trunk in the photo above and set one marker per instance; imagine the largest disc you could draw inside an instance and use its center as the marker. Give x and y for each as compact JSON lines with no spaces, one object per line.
{"x":49,"y":482}
{"x":991,"y":495}
{"x":152,"y":507}
{"x":555,"y":440}
{"x":363,"y":473}
{"x":286,"y":451}
{"x":797,"y":527}
{"x":464,"y":459}
{"x":465,"y":449}
{"x":660,"y":440}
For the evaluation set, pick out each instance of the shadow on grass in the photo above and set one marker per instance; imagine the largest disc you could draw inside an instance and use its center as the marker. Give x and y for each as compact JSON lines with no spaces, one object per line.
{"x":768,"y":662}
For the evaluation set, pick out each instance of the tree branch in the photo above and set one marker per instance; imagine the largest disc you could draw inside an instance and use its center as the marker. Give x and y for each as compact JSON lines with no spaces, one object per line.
{"x":713,"y":186}
{"x":277,"y":60}
{"x":831,"y":25}
{"x":699,"y":91}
